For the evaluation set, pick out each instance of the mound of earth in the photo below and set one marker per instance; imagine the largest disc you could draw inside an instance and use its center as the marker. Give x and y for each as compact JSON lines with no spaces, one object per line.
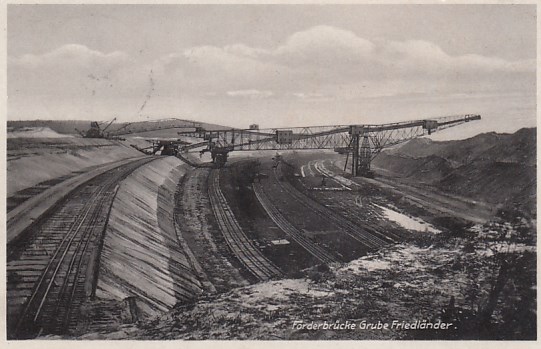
{"x":426,"y":169}
{"x":33,"y":132}
{"x":496,"y":168}
{"x":65,"y":127}
{"x":493,"y":181}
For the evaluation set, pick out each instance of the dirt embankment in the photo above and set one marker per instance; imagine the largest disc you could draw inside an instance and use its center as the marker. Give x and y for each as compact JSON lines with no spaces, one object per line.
{"x":34,"y":160}
{"x":141,"y":253}
{"x":499,"y":169}
{"x":196,"y":228}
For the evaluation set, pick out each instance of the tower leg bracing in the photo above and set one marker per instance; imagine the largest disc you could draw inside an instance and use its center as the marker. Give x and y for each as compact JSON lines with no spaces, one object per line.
{"x":365,"y":157}
{"x":361,"y":156}
{"x":355,"y":155}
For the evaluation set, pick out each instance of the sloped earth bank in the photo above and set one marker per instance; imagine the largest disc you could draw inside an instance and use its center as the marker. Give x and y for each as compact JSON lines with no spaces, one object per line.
{"x":143,"y":269}
{"x":31,"y":162}
{"x":141,"y":256}
{"x":161,"y":248}
{"x":499,"y":169}
{"x":193,"y":216}
{"x":34,"y":132}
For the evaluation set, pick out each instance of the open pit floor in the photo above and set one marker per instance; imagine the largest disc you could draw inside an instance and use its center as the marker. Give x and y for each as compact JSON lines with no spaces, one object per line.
{"x":258,"y":241}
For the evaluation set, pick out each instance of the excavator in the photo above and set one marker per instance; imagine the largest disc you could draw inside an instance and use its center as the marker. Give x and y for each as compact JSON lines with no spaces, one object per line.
{"x":165,"y":147}
{"x":95,"y":130}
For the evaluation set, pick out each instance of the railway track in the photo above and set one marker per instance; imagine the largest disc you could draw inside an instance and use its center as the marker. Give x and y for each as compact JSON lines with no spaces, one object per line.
{"x":342,"y":181}
{"x":361,"y":235}
{"x":350,"y":207}
{"x":239,"y":244}
{"x":347,"y":206}
{"x":312,"y":247}
{"x":436,"y":202}
{"x":52,"y":272}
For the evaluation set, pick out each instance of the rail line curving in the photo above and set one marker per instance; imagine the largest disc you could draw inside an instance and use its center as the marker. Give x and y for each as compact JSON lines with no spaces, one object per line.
{"x":272,"y":211}
{"x":239,"y":244}
{"x":53,"y":271}
{"x":358,"y":233}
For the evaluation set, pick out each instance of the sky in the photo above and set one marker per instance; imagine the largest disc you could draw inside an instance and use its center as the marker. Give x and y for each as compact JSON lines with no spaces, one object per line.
{"x":274,"y":65}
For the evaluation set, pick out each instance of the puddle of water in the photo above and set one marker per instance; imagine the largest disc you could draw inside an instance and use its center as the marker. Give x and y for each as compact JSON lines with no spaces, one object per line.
{"x":280,"y":242}
{"x":408,"y":222}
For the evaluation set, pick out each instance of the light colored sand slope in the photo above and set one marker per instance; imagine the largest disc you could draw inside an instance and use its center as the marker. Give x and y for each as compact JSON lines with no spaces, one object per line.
{"x":34,"y":160}
{"x":21,"y":217}
{"x":141,"y":254}
{"x":34,"y":132}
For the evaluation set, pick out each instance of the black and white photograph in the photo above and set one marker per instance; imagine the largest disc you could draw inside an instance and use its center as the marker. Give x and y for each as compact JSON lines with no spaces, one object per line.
{"x":270,"y":172}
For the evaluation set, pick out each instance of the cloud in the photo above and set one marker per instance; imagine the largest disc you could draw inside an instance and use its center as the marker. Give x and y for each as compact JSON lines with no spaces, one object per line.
{"x":322,"y":64}
{"x":303,"y":95}
{"x":253,"y":94}
{"x":74,"y":70}
{"x":323,"y":45}
{"x":69,"y":56}
{"x":325,"y":59}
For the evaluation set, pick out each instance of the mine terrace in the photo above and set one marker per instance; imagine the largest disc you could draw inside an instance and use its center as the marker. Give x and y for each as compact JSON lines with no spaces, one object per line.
{"x":178,"y":229}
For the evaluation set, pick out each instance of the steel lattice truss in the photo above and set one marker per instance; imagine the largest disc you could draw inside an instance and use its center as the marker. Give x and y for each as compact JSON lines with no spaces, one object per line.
{"x":339,"y":137}
{"x":389,"y":137}
{"x":317,"y":137}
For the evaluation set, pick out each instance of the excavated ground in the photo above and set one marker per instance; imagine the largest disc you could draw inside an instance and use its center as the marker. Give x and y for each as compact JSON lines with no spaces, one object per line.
{"x":440,"y":277}
{"x":37,"y":163}
{"x":196,"y":228}
{"x":290,"y":257}
{"x":141,"y":255}
{"x":143,"y":269}
{"x":164,"y":252}
{"x":461,"y":273}
{"x":424,"y":202}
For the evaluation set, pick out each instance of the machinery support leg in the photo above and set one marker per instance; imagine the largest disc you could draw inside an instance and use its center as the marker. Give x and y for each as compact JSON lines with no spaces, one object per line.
{"x":355,"y":156}
{"x":365,"y":157}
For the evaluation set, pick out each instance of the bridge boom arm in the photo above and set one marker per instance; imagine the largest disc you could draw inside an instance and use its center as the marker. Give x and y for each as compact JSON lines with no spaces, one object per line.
{"x":331,"y":137}
{"x":364,"y":142}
